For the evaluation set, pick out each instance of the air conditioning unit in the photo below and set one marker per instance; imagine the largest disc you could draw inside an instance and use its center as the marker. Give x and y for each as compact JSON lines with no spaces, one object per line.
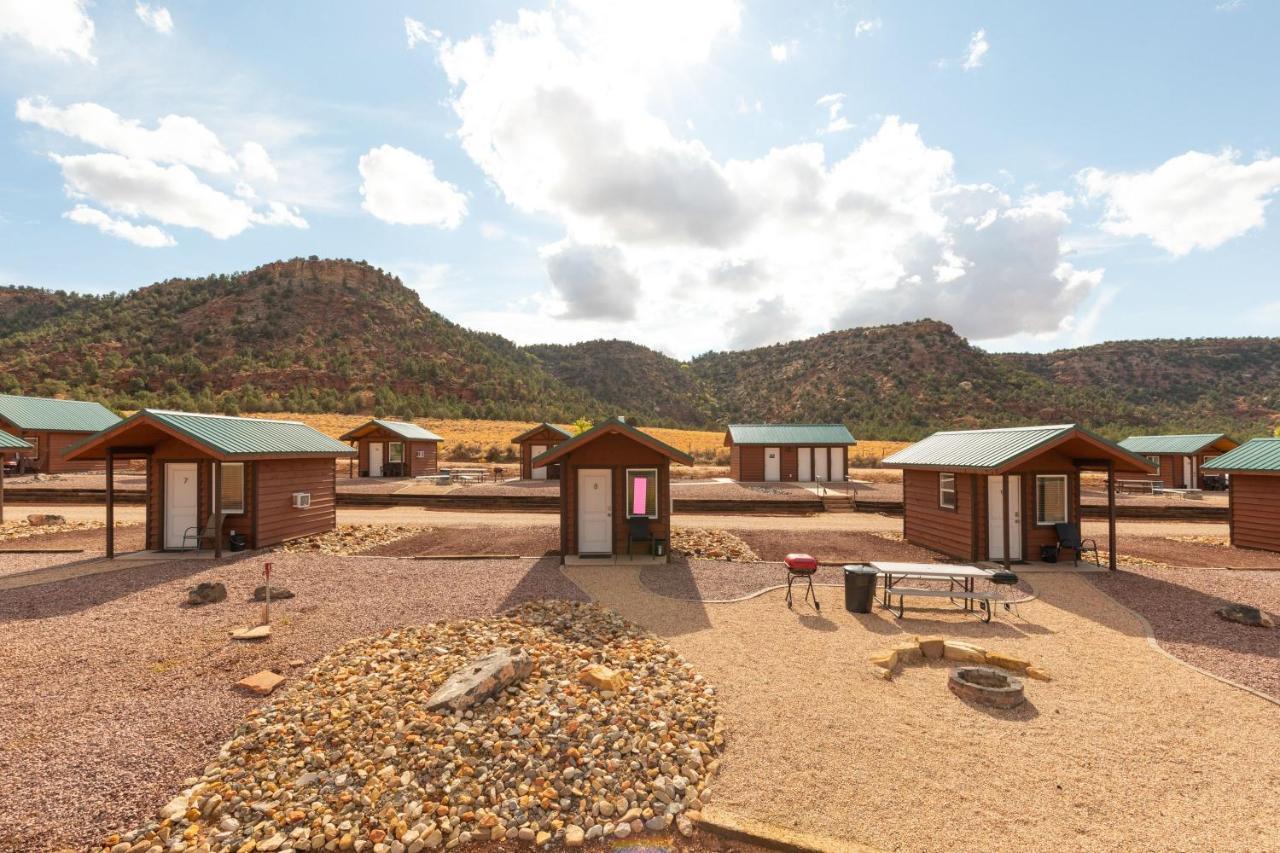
{"x":301,"y":500}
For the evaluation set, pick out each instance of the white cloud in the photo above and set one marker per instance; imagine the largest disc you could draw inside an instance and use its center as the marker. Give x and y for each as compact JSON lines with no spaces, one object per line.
{"x":402,"y":188}
{"x":834,"y":103}
{"x":1192,"y":201}
{"x":746,"y":107}
{"x":867,"y":26}
{"x":1229,"y":6}
{"x":255,"y":163}
{"x":978,"y":48}
{"x":670,"y":246}
{"x":175,"y":139}
{"x":417,"y":33}
{"x":783,"y":51}
{"x":60,"y":27}
{"x":148,"y":236}
{"x":155,"y":17}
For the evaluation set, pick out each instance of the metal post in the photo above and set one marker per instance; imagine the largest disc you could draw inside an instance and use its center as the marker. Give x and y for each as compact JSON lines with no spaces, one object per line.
{"x":1004,"y":499}
{"x":2,"y":488}
{"x":1111,"y":511}
{"x":216,"y":471}
{"x":111,"y":504}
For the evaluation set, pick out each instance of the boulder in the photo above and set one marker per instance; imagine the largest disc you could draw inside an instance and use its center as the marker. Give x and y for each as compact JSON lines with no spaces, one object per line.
{"x":1009,"y":662}
{"x":885,"y":660}
{"x":602,"y":677}
{"x":931,"y":647}
{"x":1038,"y":674}
{"x":1246,"y":615}
{"x":963,"y":652}
{"x":261,"y":683}
{"x":277,"y":592}
{"x":207,"y":593}
{"x":45,"y":519}
{"x":908,"y":653}
{"x":482,"y":678}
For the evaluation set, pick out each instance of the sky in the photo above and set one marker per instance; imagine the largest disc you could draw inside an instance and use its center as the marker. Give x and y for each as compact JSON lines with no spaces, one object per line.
{"x":690,"y":176}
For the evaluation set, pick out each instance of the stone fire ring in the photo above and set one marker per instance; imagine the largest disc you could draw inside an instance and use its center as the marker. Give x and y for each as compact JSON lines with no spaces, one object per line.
{"x":986,"y":686}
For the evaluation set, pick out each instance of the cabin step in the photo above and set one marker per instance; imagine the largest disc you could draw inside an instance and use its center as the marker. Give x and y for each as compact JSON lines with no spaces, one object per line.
{"x":839,"y":503}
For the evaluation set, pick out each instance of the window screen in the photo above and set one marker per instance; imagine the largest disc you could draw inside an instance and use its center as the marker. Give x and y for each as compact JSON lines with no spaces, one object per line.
{"x":395,"y":452}
{"x":1051,"y":499}
{"x":642,"y":494}
{"x":947,"y":491}
{"x":232,"y":488}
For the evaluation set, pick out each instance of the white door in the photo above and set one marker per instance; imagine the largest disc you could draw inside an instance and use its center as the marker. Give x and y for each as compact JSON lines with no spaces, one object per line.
{"x":837,"y":465}
{"x":1188,"y":473}
{"x":375,"y":459}
{"x":772,"y":464}
{"x":595,"y":511}
{"x":538,"y":473}
{"x":180,"y":502}
{"x":806,"y":464}
{"x":995,"y":518}
{"x":820,"y":464}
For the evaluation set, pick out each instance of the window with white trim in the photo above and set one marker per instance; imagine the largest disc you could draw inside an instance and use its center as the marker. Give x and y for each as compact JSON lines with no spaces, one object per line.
{"x":232,"y":488}
{"x":946,"y":490}
{"x":1155,"y":460}
{"x":1051,"y":499}
{"x":395,"y":451}
{"x":642,"y":493}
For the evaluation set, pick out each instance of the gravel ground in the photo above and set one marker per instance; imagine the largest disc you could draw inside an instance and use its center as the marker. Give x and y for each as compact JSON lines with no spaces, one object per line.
{"x":525,"y":541}
{"x":845,"y":546}
{"x":1098,"y":497}
{"x":519,"y":488}
{"x":1176,"y":552}
{"x":1124,"y":750}
{"x":1180,"y":605}
{"x":92,"y":543}
{"x":741,"y":492}
{"x":114,"y":693}
{"x":125,"y":481}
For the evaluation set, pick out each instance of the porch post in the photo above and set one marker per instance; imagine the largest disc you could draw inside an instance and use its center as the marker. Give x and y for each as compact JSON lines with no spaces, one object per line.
{"x":1004,"y":498}
{"x":111,"y":504}
{"x":1111,"y":511}
{"x":2,"y":488}
{"x":217,"y":510}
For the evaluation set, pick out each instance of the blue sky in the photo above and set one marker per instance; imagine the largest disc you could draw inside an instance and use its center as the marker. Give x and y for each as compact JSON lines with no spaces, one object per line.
{"x":689,"y":176}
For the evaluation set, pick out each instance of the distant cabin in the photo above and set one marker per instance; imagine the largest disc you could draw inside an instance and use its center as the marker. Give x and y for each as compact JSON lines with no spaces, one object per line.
{"x":954,"y":488}
{"x":50,"y":427}
{"x":783,"y":453}
{"x":1255,"y":492}
{"x":1179,"y":459}
{"x":394,"y":449}
{"x":534,"y":442}
{"x":615,"y":493}
{"x":270,"y":480}
{"x":10,"y":445}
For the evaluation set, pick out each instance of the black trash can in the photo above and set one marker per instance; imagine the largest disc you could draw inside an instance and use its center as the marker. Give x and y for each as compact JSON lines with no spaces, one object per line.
{"x":859,"y":588}
{"x":1048,"y":553}
{"x":237,"y":542}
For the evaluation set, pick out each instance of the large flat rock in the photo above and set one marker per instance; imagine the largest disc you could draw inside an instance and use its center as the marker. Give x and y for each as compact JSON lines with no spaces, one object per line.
{"x":481,"y":678}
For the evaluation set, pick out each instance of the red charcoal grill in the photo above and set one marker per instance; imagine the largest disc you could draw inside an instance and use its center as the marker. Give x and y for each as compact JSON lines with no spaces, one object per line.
{"x":801,"y":567}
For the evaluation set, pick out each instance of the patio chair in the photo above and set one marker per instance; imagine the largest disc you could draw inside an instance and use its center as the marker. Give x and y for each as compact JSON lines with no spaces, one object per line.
{"x":199,"y":534}
{"x":1069,"y":540}
{"x":639,"y":530}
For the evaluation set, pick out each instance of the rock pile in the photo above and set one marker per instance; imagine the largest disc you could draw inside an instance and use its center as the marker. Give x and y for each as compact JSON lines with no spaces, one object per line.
{"x":347,"y":539}
{"x":710,"y":544}
{"x":24,"y":529}
{"x":349,"y":758}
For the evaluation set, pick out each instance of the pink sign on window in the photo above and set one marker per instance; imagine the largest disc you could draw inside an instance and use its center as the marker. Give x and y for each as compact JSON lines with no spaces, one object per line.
{"x":639,"y":496}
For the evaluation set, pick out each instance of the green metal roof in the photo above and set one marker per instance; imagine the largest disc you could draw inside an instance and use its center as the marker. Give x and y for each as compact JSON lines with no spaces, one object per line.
{"x":43,"y":413}
{"x":1174,"y":444}
{"x":231,"y":436}
{"x":12,"y":442}
{"x":1257,"y":454}
{"x":790,"y":434}
{"x":407,"y":431}
{"x":614,"y":424}
{"x":993,"y":449}
{"x":534,"y":429}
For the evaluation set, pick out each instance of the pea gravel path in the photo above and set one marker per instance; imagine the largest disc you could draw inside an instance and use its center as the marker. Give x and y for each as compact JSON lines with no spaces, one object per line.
{"x":1126,"y":749}
{"x":114,"y":693}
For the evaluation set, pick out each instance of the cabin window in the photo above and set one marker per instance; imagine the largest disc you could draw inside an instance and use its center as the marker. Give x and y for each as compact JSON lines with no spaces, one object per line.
{"x":34,"y":452}
{"x":232,"y":488}
{"x":395,"y":451}
{"x":1155,"y":460}
{"x":947,"y":491}
{"x":421,"y":454}
{"x":1051,"y":499}
{"x":642,"y":493}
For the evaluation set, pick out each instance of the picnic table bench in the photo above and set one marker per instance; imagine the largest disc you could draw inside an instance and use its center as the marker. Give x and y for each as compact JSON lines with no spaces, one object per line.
{"x":960,"y":581}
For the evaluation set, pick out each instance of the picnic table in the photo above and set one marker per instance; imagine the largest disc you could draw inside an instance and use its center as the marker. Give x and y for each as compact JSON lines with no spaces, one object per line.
{"x":960,"y":582}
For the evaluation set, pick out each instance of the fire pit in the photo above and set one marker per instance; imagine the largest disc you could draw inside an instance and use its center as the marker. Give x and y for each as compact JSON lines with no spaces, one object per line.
{"x":987,"y":686}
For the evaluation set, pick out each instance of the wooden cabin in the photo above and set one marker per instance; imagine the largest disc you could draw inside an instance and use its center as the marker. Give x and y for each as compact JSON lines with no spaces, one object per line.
{"x":394,"y":449}
{"x":615,"y":482}
{"x":10,"y":445}
{"x":1179,"y":459}
{"x":534,"y":442}
{"x":50,"y":427}
{"x":788,"y":453}
{"x":1254,"y":500}
{"x":996,"y":494}
{"x":270,"y":480}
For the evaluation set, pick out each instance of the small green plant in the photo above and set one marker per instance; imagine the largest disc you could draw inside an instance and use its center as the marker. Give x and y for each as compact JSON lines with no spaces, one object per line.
{"x":581,"y":425}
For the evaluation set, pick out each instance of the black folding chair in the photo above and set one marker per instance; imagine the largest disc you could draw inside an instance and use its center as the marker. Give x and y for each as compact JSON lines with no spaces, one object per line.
{"x":1069,"y":540}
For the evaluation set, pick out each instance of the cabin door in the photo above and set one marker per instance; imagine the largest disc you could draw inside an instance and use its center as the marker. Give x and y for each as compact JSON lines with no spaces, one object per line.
{"x":837,"y":465}
{"x":806,"y":464}
{"x":1188,"y":473}
{"x":772,"y":464}
{"x":375,"y":459}
{"x":595,"y":511}
{"x":820,"y":464}
{"x":181,"y":502}
{"x":995,"y":518}
{"x":538,"y":473}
